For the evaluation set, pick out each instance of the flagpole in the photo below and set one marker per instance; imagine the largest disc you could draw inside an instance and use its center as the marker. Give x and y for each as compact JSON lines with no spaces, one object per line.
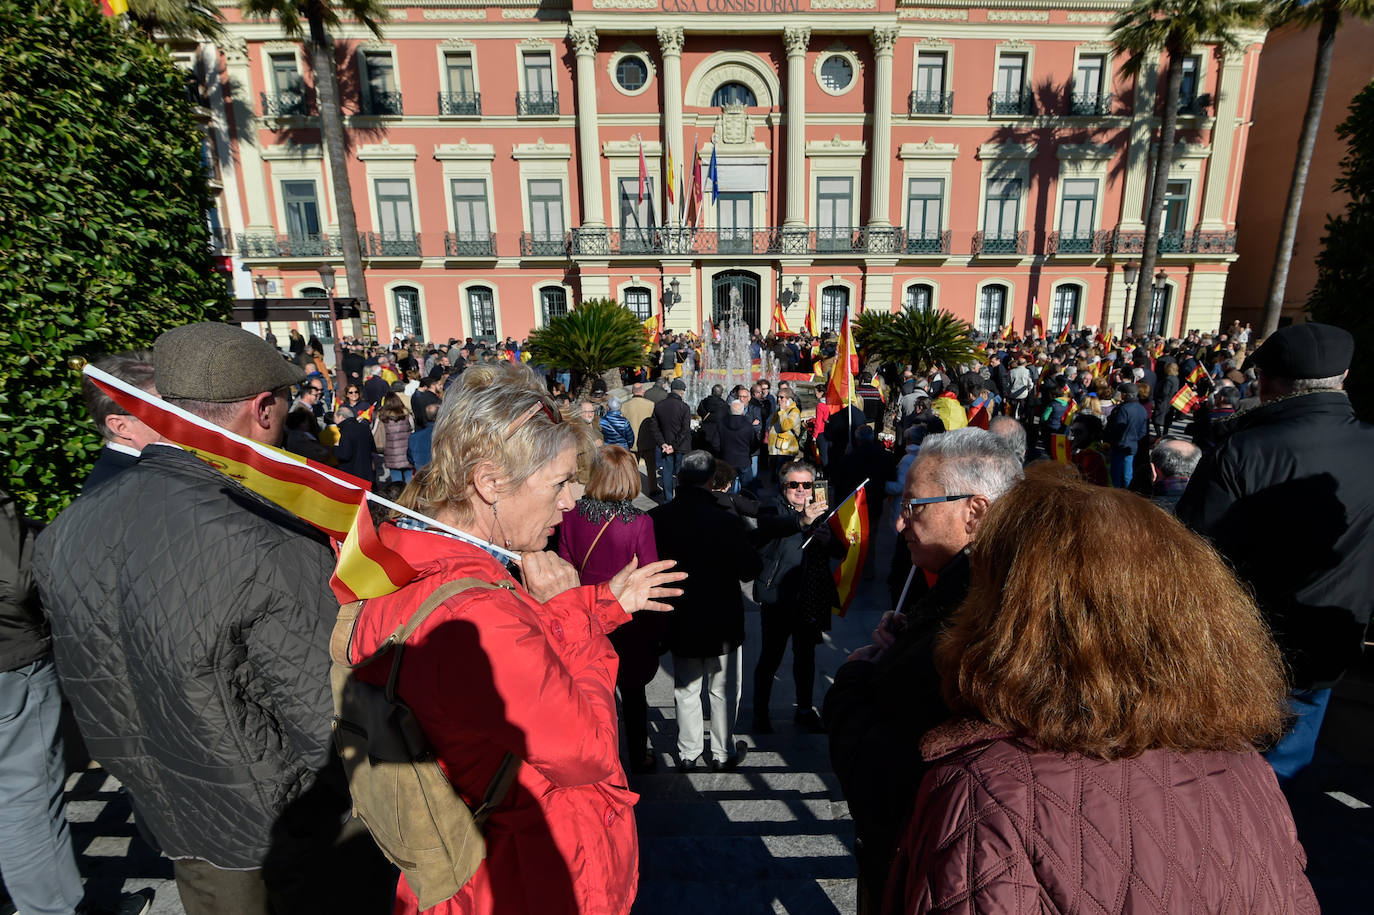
{"x":837,"y":508}
{"x":905,"y":588}
{"x":275,"y":456}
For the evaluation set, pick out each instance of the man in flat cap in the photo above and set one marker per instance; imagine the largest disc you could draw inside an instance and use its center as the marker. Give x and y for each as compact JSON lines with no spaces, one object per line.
{"x":1287,"y":497}
{"x":190,"y":624}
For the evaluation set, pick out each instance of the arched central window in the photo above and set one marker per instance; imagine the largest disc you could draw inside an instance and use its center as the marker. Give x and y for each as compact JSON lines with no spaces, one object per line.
{"x":1159,"y":310}
{"x":834,"y":306}
{"x":732,"y":94}
{"x":407,"y":302}
{"x":992,"y":308}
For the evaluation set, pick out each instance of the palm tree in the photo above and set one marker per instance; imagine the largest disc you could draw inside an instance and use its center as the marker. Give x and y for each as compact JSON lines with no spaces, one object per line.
{"x":919,"y":337}
{"x":319,"y":17}
{"x":1176,"y":26}
{"x":177,"y":19}
{"x":1327,"y":14}
{"x":595,"y":337}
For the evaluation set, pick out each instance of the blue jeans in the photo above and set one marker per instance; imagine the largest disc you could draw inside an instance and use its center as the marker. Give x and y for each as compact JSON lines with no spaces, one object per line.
{"x":36,"y":857}
{"x":1296,"y":748}
{"x":667,"y":465}
{"x":1123,"y":469}
{"x":401,"y":475}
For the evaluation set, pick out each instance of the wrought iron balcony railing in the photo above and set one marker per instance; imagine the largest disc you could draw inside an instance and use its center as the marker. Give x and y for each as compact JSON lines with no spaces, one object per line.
{"x":536,"y":104}
{"x":1196,"y":106}
{"x":985,"y":243}
{"x":1078,"y":243}
{"x":469,"y":244}
{"x":545,"y":244}
{"x":931,"y":103}
{"x":391,"y":244}
{"x":1016,"y":104}
{"x":460,"y":103}
{"x":927,"y":243}
{"x":382,"y":104}
{"x":291,"y":103}
{"x":1198,"y":242}
{"x":1091,"y":106}
{"x":259,"y":245}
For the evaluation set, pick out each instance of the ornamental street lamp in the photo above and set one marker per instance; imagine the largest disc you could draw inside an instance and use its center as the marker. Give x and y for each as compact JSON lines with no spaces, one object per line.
{"x":1130,"y":272}
{"x":260,"y":286}
{"x":789,"y":296}
{"x":326,"y":273}
{"x":1157,"y":292}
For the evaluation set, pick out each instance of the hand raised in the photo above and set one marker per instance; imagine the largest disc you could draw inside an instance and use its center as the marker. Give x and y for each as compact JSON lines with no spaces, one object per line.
{"x":547,"y":575}
{"x":642,"y":587}
{"x":814,"y":510}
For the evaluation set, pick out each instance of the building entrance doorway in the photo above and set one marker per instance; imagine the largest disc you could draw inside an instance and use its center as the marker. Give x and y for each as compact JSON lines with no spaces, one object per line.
{"x":735,"y":286}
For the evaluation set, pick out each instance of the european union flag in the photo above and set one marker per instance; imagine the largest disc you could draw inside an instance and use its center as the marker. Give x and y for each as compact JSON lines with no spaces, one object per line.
{"x":714,"y":174}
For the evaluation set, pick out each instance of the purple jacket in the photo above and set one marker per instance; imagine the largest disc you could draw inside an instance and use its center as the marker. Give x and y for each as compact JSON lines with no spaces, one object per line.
{"x":621,"y":541}
{"x":1002,"y":826}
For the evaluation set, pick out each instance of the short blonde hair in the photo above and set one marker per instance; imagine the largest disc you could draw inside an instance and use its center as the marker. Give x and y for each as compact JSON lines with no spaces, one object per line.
{"x":479,"y":422}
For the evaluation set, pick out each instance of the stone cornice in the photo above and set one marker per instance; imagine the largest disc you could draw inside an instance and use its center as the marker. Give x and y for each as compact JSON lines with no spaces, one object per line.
{"x":541,"y":150}
{"x":929,"y":150}
{"x":836,"y":147}
{"x":386,"y":151}
{"x":1007,"y":151}
{"x":285,"y":152}
{"x":464,"y":150}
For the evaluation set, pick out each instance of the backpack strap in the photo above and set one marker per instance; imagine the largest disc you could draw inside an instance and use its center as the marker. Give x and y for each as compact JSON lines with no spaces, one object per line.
{"x":496,"y":791}
{"x":583,"y":567}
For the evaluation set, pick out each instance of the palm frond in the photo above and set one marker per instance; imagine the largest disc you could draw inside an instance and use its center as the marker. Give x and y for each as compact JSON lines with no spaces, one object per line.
{"x":922,"y":338}
{"x":598,"y":335}
{"x":1147,"y":27}
{"x":178,"y":18}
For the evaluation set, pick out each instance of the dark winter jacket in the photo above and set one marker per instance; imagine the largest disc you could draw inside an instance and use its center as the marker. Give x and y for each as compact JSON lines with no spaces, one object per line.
{"x":355,"y":449}
{"x":1127,"y":425}
{"x":796,"y":573}
{"x":23,"y":631}
{"x":708,"y":619}
{"x":1003,"y":826}
{"x":191,"y":623}
{"x":1288,"y":499}
{"x":672,"y":424}
{"x":109,"y":462}
{"x":736,"y":437}
{"x":712,"y":410}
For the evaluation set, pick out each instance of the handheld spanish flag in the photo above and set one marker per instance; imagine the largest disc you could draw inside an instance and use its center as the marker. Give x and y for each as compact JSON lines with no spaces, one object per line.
{"x":780,"y":320}
{"x":651,"y":329}
{"x":1059,"y":448}
{"x":365,"y":415}
{"x":1107,"y":341}
{"x":812,"y":321}
{"x":1070,"y":412}
{"x":1195,"y":374}
{"x":1063,"y":334}
{"x":850,"y":524}
{"x":114,"y":7}
{"x":1186,"y":400}
{"x":331,"y":501}
{"x":1036,"y":320}
{"x":839,"y":388}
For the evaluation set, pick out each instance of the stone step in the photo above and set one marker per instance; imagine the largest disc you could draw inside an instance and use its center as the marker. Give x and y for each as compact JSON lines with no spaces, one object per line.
{"x":745,"y":859}
{"x":784,"y":897}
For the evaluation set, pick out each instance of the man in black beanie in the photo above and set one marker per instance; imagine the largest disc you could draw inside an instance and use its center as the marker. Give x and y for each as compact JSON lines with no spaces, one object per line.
{"x":1287,"y":497}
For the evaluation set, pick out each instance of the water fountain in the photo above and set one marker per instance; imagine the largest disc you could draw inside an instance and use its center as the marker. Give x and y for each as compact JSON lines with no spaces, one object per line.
{"x":727,"y":363}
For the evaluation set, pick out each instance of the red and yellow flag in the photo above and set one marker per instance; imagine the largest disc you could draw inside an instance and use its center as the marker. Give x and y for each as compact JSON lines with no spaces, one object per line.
{"x":1107,"y":341}
{"x":813,"y":323}
{"x":114,"y":7}
{"x":839,"y":388}
{"x":1063,"y":334}
{"x":1059,"y":448}
{"x":651,"y":329}
{"x":1195,"y":374}
{"x":314,"y":492}
{"x":1071,"y":412}
{"x":365,"y":415}
{"x":1036,"y":320}
{"x":1186,"y":400}
{"x":780,"y":320}
{"x":850,"y":524}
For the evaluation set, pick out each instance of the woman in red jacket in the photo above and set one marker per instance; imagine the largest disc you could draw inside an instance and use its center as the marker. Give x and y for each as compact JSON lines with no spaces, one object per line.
{"x":1105,"y":760}
{"x":524,"y":668}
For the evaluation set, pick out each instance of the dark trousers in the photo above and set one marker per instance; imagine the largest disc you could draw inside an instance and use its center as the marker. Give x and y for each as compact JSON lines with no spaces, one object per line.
{"x":781,"y":622}
{"x":634,"y":709}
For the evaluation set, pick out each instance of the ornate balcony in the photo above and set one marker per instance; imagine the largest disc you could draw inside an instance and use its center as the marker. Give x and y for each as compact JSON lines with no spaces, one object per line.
{"x":1014,"y":104}
{"x":469,"y":244}
{"x":985,"y":244}
{"x":293,"y":103}
{"x":931,"y":103}
{"x":536,"y":104}
{"x":1091,"y":106}
{"x":545,"y":244}
{"x":1081,"y":243}
{"x":382,"y":104}
{"x":275,"y":246}
{"x":926,"y":243}
{"x":391,"y":244}
{"x":1198,"y":242}
{"x":466,"y":104}
{"x":1195,"y":106}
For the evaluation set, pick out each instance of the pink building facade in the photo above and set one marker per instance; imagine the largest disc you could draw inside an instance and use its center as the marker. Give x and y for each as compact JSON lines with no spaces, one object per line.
{"x":976,"y":157}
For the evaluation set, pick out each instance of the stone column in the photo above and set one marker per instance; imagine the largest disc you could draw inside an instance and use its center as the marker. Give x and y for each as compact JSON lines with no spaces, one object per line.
{"x":588,"y":142}
{"x":1224,"y":131}
{"x":880,"y":175}
{"x":796,"y":40}
{"x":250,"y":155}
{"x":670,"y":44}
{"x":1138,"y":156}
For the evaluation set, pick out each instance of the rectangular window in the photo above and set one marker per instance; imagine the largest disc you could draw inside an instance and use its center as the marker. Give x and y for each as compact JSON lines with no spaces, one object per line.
{"x":637,"y":227}
{"x":1087,"y":81}
{"x":546,"y":216}
{"x":640,"y":302}
{"x":461,"y":97}
{"x":924,"y":204}
{"x":555,"y":302}
{"x":834,"y":198}
{"x":470,"y":217}
{"x":302,"y":209}
{"x":1076,"y":216}
{"x":382,"y":94}
{"x":285,"y":77}
{"x":538,"y":74}
{"x":736,"y":229}
{"x":920,"y":297}
{"x":930,"y":76}
{"x":1188,"y":90}
{"x":395,"y":218}
{"x":1065,"y":311}
{"x":1009,"y":89}
{"x":1174,"y":225}
{"x":482,"y":312}
{"x":834,"y":306}
{"x":992,"y":306}
{"x":1001,"y":217}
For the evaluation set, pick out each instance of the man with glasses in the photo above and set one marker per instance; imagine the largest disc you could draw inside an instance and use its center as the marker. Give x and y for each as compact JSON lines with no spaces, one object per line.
{"x":311,"y":391}
{"x":888,"y":694}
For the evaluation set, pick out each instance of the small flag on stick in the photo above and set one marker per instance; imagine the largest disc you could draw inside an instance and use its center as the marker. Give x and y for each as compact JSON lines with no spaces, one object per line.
{"x":1186,"y":400}
{"x":1059,"y":448}
{"x":850,"y":524}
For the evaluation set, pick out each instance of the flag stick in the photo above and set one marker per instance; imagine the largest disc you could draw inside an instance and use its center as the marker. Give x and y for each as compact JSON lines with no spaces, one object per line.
{"x":905,"y":588}
{"x":808,"y":540}
{"x":275,"y":456}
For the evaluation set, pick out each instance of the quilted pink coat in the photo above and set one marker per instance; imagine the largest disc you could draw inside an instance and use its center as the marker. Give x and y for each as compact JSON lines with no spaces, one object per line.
{"x":1002,"y":826}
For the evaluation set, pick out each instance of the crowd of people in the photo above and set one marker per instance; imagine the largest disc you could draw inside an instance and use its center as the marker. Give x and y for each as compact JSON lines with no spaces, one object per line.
{"x":1030,"y":728}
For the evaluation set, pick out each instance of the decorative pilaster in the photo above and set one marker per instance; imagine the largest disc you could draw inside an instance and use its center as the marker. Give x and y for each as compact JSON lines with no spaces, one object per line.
{"x":670,"y":41}
{"x":1224,"y":131}
{"x":880,"y":191}
{"x":584,"y":42}
{"x":250,"y":158}
{"x":1138,"y":150}
{"x":796,"y":41}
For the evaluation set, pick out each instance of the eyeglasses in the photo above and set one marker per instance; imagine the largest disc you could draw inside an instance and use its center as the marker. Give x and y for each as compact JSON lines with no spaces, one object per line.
{"x":909,"y":506}
{"x":315,"y":390}
{"x":800,"y":484}
{"x":554,"y":416}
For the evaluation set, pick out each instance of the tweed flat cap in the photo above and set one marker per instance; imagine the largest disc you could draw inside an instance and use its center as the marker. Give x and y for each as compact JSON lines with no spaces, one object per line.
{"x":218,"y":363}
{"x":1308,"y":350}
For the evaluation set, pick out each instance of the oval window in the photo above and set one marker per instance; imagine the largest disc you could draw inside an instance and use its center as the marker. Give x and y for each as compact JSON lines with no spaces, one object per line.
{"x":837,"y":73}
{"x":631,"y":73}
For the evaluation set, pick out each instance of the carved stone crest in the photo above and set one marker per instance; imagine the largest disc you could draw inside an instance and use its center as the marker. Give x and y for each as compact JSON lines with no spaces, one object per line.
{"x":734,"y":125}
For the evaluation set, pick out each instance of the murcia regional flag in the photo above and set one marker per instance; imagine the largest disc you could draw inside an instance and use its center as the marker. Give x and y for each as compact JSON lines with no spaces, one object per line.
{"x":317,"y":494}
{"x":850,"y":524}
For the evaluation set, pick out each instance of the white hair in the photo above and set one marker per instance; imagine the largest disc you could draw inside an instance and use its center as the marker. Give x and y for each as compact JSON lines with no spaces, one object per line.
{"x":971,"y":461}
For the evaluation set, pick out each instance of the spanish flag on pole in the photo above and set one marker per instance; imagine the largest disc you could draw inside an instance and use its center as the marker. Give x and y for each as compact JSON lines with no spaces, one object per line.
{"x":114,"y":7}
{"x":812,"y":325}
{"x":839,"y":388}
{"x":1036,"y":321}
{"x":1059,"y":448}
{"x":850,"y":524}
{"x":333,"y":502}
{"x":651,"y":330}
{"x":780,"y":320}
{"x":1195,"y":373}
{"x":1186,"y":400}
